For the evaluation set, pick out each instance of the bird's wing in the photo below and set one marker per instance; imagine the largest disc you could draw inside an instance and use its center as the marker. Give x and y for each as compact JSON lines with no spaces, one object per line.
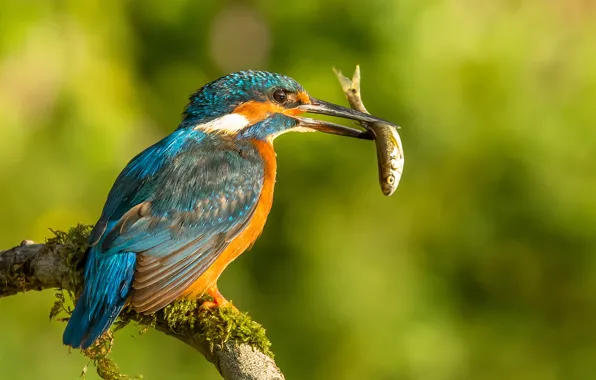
{"x":179,"y":218}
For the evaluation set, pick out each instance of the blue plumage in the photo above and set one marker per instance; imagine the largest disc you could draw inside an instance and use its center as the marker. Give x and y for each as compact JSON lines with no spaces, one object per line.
{"x":103,"y":297}
{"x":170,"y":213}
{"x":177,"y":205}
{"x":270,"y":126}
{"x":221,"y":96}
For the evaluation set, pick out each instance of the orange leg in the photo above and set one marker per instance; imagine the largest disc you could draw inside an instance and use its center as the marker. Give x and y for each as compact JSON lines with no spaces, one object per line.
{"x":218,"y":299}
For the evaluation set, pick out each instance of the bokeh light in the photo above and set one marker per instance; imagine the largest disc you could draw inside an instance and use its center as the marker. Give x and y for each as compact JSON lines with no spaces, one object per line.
{"x":481,"y":266}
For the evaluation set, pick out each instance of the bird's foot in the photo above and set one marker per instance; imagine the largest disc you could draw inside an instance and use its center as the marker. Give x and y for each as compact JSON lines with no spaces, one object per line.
{"x":218,"y":300}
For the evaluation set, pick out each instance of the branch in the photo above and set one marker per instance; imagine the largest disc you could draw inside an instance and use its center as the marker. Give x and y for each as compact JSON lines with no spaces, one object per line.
{"x":230,"y":340}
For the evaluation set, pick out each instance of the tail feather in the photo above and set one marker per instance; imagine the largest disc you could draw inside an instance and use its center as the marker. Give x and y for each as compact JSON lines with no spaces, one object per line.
{"x":77,"y":327}
{"x":108,"y":280}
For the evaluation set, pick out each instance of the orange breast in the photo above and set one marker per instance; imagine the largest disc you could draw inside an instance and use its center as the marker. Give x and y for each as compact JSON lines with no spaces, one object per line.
{"x":251,"y":232}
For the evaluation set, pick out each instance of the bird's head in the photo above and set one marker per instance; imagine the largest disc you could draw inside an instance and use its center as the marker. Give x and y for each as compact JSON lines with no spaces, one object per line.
{"x":263,"y":105}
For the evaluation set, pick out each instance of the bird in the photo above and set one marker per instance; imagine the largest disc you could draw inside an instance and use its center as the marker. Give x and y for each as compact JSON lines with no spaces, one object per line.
{"x":187,"y":206}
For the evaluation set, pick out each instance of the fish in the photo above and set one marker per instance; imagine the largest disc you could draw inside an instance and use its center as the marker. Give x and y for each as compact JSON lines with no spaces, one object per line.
{"x":390,"y":152}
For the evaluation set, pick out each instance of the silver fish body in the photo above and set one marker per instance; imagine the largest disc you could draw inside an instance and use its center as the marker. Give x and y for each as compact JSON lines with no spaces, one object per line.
{"x":390,"y":153}
{"x":390,"y":156}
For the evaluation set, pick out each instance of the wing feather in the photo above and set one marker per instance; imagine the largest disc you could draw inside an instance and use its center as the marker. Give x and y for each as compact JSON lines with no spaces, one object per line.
{"x":180,"y":219}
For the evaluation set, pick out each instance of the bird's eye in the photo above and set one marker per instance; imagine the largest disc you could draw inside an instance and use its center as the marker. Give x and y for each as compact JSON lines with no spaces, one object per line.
{"x":280,"y":96}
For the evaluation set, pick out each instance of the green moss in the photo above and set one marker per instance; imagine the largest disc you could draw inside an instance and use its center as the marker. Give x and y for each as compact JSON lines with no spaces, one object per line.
{"x":71,"y":246}
{"x":106,"y":368}
{"x":59,"y":307}
{"x":219,"y":325}
{"x":214,"y":325}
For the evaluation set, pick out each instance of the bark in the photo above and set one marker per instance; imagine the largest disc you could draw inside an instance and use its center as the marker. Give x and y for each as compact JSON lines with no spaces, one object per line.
{"x":31,"y":266}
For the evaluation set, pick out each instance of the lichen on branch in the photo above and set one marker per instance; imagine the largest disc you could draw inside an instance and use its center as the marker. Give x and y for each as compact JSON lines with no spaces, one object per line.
{"x":223,"y":335}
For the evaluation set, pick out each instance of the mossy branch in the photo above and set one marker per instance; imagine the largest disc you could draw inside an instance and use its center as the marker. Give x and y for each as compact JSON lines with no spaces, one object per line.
{"x":229,"y":339}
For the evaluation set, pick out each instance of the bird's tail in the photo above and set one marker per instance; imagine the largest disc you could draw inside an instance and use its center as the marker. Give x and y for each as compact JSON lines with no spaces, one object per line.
{"x":108,"y":281}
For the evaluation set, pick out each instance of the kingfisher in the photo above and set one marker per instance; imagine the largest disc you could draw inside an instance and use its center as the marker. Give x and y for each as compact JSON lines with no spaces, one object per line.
{"x":187,"y":206}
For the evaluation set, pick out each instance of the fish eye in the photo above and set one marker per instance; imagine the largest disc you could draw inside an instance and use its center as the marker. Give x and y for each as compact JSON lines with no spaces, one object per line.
{"x":280,"y":96}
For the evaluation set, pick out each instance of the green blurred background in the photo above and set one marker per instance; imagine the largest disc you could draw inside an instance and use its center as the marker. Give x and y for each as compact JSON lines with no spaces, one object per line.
{"x":481,"y":266}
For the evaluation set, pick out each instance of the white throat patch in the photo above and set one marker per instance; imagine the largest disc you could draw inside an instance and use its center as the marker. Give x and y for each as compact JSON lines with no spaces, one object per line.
{"x":230,"y":123}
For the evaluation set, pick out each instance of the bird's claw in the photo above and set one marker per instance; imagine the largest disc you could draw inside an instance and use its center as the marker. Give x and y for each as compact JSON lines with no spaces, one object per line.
{"x":218,"y":300}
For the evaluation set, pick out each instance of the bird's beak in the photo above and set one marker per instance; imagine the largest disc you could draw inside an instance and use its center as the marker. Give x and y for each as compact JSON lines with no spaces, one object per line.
{"x":330,"y":109}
